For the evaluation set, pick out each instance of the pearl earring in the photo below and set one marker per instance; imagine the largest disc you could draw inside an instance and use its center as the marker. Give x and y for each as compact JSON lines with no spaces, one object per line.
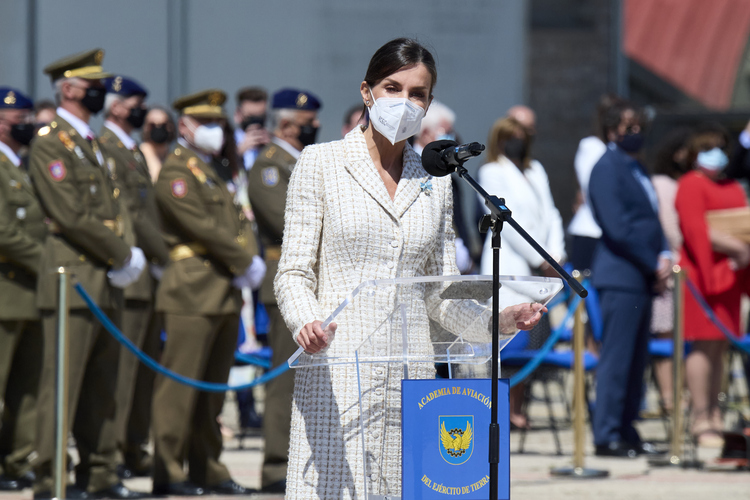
{"x":367,"y":101}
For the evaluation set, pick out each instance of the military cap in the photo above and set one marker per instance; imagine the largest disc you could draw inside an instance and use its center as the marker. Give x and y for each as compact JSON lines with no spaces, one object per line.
{"x":124,"y":86}
{"x":86,"y":65}
{"x":203,"y":104}
{"x":10,"y":98}
{"x":295,"y":99}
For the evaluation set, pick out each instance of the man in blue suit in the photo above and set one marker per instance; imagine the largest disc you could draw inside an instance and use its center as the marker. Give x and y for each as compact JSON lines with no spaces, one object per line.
{"x":631,"y":263}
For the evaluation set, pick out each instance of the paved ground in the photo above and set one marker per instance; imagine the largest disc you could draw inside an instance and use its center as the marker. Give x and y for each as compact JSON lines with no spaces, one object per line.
{"x":530,"y":472}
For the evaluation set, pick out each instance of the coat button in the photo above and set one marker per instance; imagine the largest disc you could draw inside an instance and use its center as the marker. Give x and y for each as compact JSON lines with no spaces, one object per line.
{"x":394,"y":244}
{"x":391,"y":265}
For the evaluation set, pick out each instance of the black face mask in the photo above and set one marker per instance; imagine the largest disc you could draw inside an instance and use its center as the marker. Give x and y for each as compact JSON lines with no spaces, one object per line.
{"x":22,"y":133}
{"x":136,"y":117}
{"x":94,"y":99}
{"x":516,"y":149}
{"x":307,"y":135}
{"x":159,"y":134}
{"x":253,"y":120}
{"x":631,"y":143}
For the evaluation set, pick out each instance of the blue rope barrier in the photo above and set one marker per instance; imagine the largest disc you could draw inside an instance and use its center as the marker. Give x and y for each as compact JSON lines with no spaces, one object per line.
{"x":252,"y":359}
{"x":154,"y":365}
{"x":534,"y":362}
{"x":712,"y":317}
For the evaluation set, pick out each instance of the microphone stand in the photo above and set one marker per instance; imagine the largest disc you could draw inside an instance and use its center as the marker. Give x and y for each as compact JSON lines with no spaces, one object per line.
{"x":499,"y":214}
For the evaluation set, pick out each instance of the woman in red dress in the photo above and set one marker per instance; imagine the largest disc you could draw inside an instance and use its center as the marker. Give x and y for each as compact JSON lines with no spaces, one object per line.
{"x":717,"y":264}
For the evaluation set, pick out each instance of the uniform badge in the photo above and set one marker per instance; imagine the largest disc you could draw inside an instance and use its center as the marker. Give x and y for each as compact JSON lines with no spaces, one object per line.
{"x":57,"y":170}
{"x":456,"y":434}
{"x":179,"y":188}
{"x":270,"y":176}
{"x":192,"y":164}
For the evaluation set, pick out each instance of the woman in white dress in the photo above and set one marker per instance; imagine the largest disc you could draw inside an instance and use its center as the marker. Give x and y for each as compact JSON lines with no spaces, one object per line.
{"x":358,"y":209}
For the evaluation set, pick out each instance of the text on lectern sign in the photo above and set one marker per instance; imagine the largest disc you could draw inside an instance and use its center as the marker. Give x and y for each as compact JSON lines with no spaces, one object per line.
{"x":445,"y":439}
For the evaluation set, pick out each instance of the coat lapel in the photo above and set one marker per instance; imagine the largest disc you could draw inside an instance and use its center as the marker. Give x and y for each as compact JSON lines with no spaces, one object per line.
{"x":361,"y":167}
{"x":413,"y":178}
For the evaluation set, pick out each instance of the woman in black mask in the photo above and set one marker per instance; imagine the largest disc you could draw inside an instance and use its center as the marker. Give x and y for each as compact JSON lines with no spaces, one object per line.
{"x":158,"y":135}
{"x":513,"y":175}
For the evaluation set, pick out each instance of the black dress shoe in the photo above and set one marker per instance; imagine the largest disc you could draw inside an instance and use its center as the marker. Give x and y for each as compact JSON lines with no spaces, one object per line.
{"x":647,"y":449}
{"x":71,"y":492}
{"x":228,"y":487}
{"x":277,"y":487}
{"x":183,"y":489}
{"x":616,"y":449}
{"x":124,"y":472}
{"x":16,"y":483}
{"x":9,"y":484}
{"x":119,"y":491}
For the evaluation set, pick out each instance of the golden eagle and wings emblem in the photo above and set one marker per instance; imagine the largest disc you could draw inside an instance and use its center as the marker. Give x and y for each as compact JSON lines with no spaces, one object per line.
{"x":456,"y":441}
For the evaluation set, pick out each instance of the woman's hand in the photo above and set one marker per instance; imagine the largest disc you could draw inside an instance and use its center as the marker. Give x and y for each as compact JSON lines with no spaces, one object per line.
{"x":312,"y":338}
{"x":520,"y":317}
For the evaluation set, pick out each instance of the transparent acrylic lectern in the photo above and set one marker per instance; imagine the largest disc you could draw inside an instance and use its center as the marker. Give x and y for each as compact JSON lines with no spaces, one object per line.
{"x":394,"y":329}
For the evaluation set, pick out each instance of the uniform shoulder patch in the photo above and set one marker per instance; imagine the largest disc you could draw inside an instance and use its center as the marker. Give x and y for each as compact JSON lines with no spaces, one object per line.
{"x":270,"y":176}
{"x":179,"y":188}
{"x":57,"y":170}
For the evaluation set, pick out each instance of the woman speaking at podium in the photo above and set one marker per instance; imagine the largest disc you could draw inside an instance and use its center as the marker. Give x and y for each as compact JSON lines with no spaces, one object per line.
{"x":358,"y":209}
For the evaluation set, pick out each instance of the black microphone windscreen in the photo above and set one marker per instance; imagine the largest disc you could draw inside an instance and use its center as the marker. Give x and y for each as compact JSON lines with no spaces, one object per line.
{"x":432,"y":160}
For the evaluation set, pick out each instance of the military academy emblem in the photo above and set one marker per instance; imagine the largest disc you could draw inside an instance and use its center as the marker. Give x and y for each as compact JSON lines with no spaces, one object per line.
{"x":456,"y":438}
{"x":57,"y":170}
{"x":270,"y":176}
{"x":179,"y":188}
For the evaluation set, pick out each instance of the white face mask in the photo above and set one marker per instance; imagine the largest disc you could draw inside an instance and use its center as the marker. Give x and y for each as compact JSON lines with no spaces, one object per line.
{"x":209,"y":137}
{"x":396,"y":118}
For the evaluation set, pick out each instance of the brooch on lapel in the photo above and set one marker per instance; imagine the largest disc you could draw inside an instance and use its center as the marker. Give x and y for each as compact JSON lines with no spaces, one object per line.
{"x":426,"y":187}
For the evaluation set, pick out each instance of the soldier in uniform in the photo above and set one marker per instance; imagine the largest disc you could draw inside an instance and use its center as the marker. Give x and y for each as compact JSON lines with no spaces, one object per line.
{"x":22,"y":232}
{"x":89,"y":237}
{"x":294,"y":121}
{"x":124,"y":112}
{"x":213,"y":255}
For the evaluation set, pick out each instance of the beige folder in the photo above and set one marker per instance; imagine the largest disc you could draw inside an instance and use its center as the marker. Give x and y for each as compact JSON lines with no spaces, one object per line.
{"x":733,"y":221}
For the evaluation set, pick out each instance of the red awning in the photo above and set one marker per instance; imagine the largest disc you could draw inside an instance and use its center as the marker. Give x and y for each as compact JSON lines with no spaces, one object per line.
{"x":695,"y":45}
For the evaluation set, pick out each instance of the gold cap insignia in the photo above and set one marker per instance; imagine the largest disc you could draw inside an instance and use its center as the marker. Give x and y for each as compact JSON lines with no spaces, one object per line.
{"x":99,"y":57}
{"x":215,"y":99}
{"x":117,"y":84}
{"x":301,"y":100}
{"x":10,"y":98}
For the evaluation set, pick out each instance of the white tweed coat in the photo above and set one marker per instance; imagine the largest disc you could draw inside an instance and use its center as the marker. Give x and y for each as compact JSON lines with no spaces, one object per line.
{"x":342,"y":228}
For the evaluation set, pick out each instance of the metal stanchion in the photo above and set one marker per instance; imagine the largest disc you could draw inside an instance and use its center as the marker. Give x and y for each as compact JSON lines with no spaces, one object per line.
{"x":61,"y":385}
{"x":579,"y":403}
{"x":675,"y":455}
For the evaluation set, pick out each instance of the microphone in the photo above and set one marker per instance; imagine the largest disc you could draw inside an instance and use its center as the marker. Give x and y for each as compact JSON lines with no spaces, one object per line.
{"x":440,"y":158}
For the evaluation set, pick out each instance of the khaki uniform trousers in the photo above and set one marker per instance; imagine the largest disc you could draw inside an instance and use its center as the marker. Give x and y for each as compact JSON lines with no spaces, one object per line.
{"x":184,"y":419}
{"x":92,"y":376}
{"x":277,"y":417}
{"x":20,"y":370}
{"x":133,"y":400}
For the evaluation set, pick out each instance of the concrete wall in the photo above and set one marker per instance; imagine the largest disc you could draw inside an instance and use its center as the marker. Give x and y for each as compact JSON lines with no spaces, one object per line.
{"x":179,"y":46}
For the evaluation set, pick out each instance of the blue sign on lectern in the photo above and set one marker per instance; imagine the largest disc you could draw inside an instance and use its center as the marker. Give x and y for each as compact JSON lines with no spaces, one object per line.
{"x":445,"y":428}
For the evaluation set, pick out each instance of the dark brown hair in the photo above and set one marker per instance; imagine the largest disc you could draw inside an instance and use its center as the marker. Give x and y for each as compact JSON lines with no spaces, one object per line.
{"x":252,"y":94}
{"x":674,"y":141}
{"x":396,"y":55}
